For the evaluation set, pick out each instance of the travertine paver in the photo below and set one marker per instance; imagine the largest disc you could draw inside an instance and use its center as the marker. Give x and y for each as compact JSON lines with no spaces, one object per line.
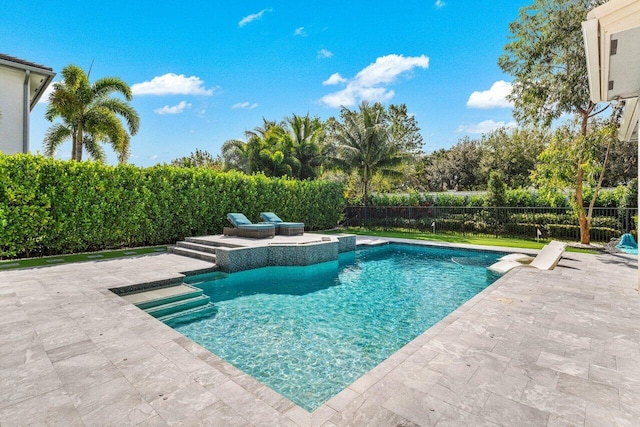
{"x":536,"y":348}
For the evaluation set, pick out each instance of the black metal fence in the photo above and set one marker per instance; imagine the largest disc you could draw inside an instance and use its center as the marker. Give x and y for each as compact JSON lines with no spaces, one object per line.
{"x":543,"y":222}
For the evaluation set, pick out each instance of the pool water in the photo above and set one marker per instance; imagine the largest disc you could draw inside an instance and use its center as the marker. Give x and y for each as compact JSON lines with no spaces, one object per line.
{"x":308,"y":332}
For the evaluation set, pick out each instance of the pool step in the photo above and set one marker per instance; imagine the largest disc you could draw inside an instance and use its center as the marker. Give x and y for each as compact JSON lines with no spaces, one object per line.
{"x":197,"y":279}
{"x":178,"y":306}
{"x":197,"y":246}
{"x":190,"y":315}
{"x":194,"y":250}
{"x":168,"y":299}
{"x":181,"y":301}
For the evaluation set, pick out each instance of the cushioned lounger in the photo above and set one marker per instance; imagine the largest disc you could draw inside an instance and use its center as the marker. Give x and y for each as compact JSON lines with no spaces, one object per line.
{"x":242,"y":227}
{"x":283,"y":228}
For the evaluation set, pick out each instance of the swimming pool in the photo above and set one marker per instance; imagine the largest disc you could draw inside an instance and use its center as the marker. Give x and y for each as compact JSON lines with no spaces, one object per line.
{"x":308,"y":332}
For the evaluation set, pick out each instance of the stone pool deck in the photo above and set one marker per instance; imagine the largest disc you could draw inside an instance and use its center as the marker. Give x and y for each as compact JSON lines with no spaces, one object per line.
{"x":537,"y":348}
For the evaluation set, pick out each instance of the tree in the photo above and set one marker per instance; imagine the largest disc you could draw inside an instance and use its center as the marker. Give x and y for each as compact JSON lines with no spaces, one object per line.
{"x":269,"y":149}
{"x":276,"y":156}
{"x":404,"y":129}
{"x":90,"y":116}
{"x":199,"y":159}
{"x":513,"y":152}
{"x":568,"y":153}
{"x":623,"y":163}
{"x":240,"y":155}
{"x":547,"y":59}
{"x":363,"y":141}
{"x":456,"y":168}
{"x":308,"y":136}
{"x":496,"y":191}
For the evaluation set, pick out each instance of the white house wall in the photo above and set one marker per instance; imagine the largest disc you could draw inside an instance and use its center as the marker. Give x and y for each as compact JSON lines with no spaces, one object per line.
{"x":11,"y":110}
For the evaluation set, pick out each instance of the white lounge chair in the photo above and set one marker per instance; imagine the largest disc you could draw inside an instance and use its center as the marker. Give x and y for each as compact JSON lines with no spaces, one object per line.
{"x":547,"y":259}
{"x":526,"y":259}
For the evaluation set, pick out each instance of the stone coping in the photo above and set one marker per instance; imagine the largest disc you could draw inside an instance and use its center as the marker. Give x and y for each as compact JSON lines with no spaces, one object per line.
{"x":557,"y":347}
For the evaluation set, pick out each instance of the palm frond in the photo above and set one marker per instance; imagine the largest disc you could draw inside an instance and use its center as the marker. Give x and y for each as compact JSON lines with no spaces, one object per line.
{"x":107,"y":85}
{"x":123,"y":109}
{"x":54,"y":137}
{"x":95,"y":150}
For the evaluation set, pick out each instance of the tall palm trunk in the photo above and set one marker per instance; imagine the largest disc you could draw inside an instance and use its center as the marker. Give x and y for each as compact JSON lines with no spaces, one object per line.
{"x":365,"y":186}
{"x":77,"y":144}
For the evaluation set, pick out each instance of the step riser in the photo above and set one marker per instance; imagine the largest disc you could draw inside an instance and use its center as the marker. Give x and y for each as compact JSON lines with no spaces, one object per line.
{"x":203,"y":256}
{"x":190,"y":315}
{"x":176,"y":308}
{"x":197,"y":247}
{"x":168,"y":300}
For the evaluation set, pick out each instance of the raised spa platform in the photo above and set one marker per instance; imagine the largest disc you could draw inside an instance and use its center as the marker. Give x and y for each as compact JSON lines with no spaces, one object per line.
{"x":232,"y":254}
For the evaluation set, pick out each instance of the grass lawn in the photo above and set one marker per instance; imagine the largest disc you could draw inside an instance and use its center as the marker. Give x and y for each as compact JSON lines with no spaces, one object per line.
{"x":507,"y":242}
{"x":65,"y":259}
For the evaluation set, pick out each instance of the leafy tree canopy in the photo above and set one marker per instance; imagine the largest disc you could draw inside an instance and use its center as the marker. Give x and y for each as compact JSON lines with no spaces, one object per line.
{"x":546,"y":57}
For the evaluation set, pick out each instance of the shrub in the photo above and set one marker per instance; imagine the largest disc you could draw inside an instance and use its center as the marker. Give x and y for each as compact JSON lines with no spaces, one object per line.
{"x":520,"y":197}
{"x":475,"y":201}
{"x":448,"y":200}
{"x":608,"y":198}
{"x":496,"y":191}
{"x":629,"y":198}
{"x":50,"y":207}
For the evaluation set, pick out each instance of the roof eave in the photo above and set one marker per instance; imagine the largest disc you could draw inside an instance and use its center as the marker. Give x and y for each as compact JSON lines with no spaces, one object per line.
{"x":47,"y":81}
{"x":629,"y":122}
{"x":590,"y":32}
{"x":20,"y":66}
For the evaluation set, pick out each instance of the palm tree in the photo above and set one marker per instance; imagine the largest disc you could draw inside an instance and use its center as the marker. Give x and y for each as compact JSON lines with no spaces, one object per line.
{"x":307,"y":135}
{"x":260,"y":132}
{"x":90,"y":116}
{"x":364,"y":143}
{"x":240,"y":155}
{"x":277,"y":156}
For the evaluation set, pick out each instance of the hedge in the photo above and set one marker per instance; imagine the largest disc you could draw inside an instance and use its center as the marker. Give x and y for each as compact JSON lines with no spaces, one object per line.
{"x":620,"y":196}
{"x":51,"y":207}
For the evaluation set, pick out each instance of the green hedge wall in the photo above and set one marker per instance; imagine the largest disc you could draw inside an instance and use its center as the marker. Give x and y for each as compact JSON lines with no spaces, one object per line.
{"x":51,"y":207}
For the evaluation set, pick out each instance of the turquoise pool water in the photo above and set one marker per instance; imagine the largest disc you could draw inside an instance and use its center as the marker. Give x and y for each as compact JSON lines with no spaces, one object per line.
{"x":308,"y":332}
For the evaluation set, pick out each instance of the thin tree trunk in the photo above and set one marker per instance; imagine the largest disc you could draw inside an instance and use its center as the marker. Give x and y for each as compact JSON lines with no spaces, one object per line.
{"x":600,"y":180}
{"x":585,"y":223}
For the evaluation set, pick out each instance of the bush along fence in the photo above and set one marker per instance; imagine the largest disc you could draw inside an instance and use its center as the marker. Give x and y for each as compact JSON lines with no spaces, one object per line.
{"x":50,"y":207}
{"x":543,"y":222}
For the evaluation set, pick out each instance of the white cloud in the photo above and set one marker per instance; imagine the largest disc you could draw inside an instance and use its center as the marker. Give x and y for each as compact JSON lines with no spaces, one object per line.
{"x":370,"y":83}
{"x":244,"y":105}
{"x":496,"y":97}
{"x":172,"y":84}
{"x":485,"y":126}
{"x":440,"y":4}
{"x":324,"y":53}
{"x":175,"y":109}
{"x":300,"y":31}
{"x":334,"y":79}
{"x":250,"y":18}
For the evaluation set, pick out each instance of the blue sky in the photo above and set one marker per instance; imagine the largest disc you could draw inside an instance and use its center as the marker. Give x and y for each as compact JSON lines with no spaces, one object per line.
{"x":204,"y":72}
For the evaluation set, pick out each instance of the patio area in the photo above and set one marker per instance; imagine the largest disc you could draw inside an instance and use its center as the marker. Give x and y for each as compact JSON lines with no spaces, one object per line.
{"x":536,"y":348}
